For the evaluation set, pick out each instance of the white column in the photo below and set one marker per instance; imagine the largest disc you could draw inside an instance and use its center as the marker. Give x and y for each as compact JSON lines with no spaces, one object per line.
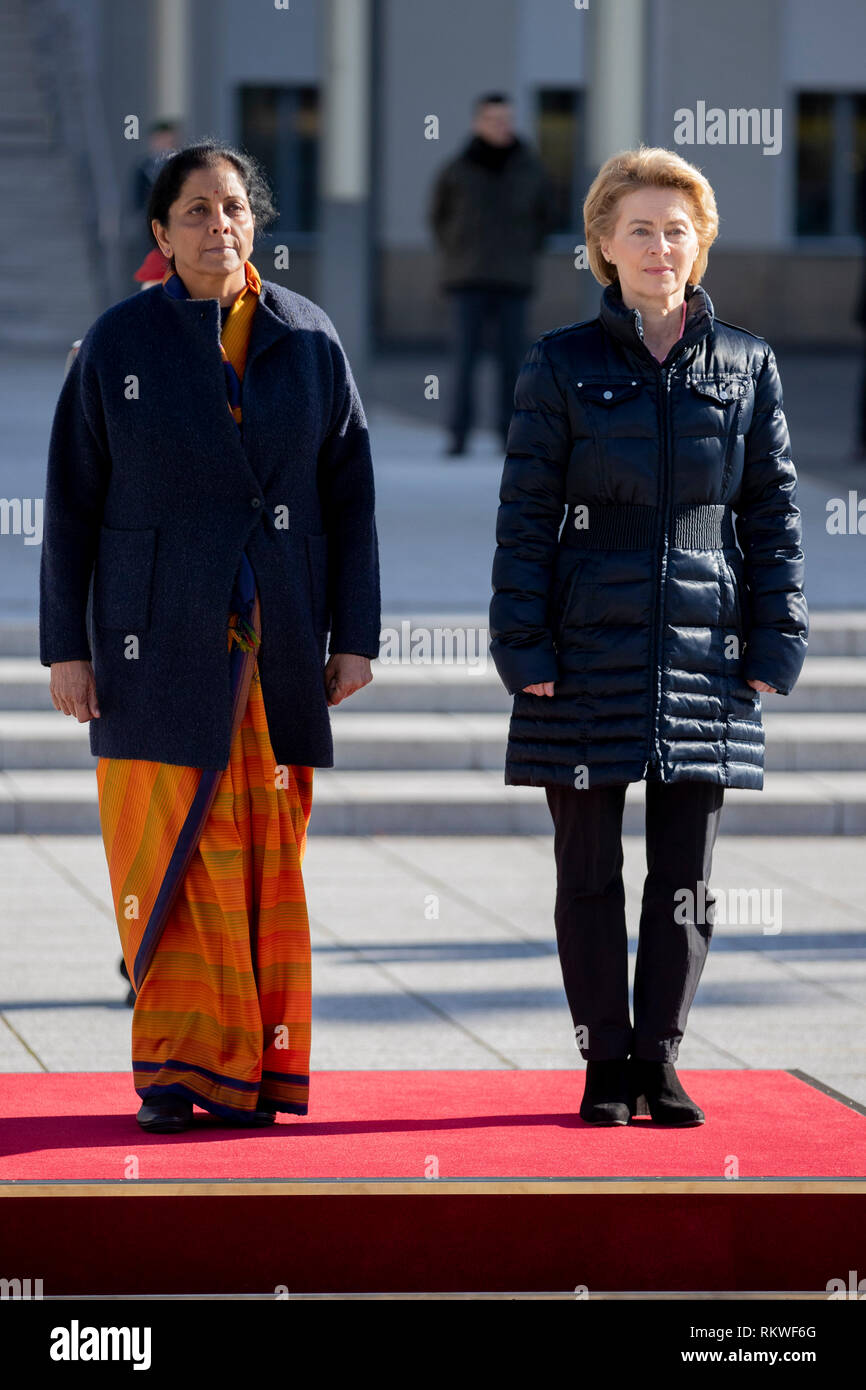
{"x":616,"y":89}
{"x":343,"y":261}
{"x":346,"y":125}
{"x":170,"y":80}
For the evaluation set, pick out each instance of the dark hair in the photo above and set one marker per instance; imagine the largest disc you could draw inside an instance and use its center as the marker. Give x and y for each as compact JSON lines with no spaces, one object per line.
{"x":492,"y":98}
{"x":175,"y":170}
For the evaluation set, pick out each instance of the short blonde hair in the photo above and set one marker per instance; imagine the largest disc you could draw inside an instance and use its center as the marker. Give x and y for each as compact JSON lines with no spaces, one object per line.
{"x":646,"y":167}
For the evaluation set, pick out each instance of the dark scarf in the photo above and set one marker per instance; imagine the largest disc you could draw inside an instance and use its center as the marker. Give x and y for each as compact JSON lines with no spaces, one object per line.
{"x":493,"y":157}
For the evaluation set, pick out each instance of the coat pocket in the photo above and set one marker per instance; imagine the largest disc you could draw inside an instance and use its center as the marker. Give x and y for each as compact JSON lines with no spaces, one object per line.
{"x":317,"y":563}
{"x":739,"y":588}
{"x":724,"y":390}
{"x":599,"y":401}
{"x":123,"y":578}
{"x":564,"y":598}
{"x":738,"y":606}
{"x":723,"y":398}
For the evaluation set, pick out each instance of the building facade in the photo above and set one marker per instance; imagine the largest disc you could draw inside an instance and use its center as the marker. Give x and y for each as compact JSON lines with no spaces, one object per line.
{"x":769,"y":101}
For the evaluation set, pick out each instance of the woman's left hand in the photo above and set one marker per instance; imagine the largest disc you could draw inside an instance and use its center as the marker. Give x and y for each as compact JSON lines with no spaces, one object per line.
{"x":344,"y":674}
{"x":760,"y":685}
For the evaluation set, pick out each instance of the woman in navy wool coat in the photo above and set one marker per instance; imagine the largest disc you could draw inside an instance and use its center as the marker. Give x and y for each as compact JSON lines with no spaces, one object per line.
{"x":209,"y":471}
{"x":647,"y":587}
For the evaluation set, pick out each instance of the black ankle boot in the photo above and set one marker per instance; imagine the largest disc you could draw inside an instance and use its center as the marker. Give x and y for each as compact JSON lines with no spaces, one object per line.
{"x":656,"y":1089}
{"x":606,"y":1092}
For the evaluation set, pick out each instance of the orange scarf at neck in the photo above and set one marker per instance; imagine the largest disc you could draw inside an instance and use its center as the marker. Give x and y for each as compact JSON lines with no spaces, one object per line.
{"x":236,"y":332}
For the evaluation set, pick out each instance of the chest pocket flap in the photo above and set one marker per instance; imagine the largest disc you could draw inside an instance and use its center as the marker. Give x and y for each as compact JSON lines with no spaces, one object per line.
{"x":609,"y":392}
{"x":721,"y":389}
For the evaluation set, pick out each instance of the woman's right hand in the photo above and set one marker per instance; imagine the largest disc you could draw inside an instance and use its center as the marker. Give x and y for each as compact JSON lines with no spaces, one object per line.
{"x":73,"y":689}
{"x":546,"y":688}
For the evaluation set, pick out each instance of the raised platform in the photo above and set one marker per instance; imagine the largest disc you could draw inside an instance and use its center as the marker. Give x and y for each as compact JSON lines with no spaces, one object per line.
{"x":433,"y":1181}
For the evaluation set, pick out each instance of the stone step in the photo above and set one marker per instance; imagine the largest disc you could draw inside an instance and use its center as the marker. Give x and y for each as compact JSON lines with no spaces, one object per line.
{"x":21,"y":95}
{"x":35,"y":131}
{"x":41,"y":333}
{"x":410,"y":742}
{"x":839,"y":632}
{"x":458,"y":803}
{"x":53,"y":170}
{"x":827,"y":685}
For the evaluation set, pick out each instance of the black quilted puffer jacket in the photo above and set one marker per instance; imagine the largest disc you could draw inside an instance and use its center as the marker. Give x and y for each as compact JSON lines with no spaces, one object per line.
{"x":648,"y":556}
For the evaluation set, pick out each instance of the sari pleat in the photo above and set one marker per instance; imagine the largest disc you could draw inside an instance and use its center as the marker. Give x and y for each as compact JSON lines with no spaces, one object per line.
{"x":205,"y":871}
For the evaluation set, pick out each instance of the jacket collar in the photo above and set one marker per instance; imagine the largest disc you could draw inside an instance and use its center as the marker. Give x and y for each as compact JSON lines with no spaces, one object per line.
{"x":175,"y":287}
{"x":625,"y":325}
{"x":271,"y":321}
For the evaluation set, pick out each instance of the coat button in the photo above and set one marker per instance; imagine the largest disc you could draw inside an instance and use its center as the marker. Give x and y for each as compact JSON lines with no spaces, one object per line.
{"x":255,"y":501}
{"x":608,"y":395}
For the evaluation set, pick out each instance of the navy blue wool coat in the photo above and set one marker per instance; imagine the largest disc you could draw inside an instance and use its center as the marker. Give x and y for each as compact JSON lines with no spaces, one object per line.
{"x":648,"y":557}
{"x":152,"y":497}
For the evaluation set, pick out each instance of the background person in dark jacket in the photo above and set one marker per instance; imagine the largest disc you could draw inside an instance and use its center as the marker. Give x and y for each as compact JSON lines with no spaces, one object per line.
{"x":490,"y":210}
{"x":635,"y":633}
{"x":163,"y":138}
{"x":209,"y":468}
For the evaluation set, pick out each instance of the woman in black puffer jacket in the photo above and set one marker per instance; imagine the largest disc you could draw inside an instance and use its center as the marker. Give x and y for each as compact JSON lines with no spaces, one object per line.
{"x":647,"y":586}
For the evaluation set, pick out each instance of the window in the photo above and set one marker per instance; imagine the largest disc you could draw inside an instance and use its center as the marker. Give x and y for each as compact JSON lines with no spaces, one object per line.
{"x":559,"y":137}
{"x":279,"y":126}
{"x":831,"y":164}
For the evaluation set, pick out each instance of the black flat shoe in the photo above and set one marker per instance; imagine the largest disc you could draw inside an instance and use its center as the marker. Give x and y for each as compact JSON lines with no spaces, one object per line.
{"x":606,"y":1093}
{"x":655,"y":1089}
{"x":167,"y":1115}
{"x":263,"y":1116}
{"x":257,"y":1118}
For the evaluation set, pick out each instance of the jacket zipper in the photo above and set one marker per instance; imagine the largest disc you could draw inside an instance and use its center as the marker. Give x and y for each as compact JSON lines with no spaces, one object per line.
{"x":655,"y":753}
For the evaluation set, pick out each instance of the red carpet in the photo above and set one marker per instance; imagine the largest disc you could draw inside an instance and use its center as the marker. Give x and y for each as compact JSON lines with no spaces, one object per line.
{"x":528,"y":1197}
{"x":498,"y":1124}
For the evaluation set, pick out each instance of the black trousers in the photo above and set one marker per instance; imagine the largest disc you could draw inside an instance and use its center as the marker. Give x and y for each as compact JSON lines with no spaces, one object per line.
{"x":507,"y":311}
{"x":682,"y":822}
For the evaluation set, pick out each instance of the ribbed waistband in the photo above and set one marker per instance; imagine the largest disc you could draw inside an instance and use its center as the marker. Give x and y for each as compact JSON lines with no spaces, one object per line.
{"x":631,"y":526}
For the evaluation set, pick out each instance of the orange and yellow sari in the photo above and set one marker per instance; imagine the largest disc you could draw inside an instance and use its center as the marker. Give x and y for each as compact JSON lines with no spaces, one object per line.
{"x":205,"y":870}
